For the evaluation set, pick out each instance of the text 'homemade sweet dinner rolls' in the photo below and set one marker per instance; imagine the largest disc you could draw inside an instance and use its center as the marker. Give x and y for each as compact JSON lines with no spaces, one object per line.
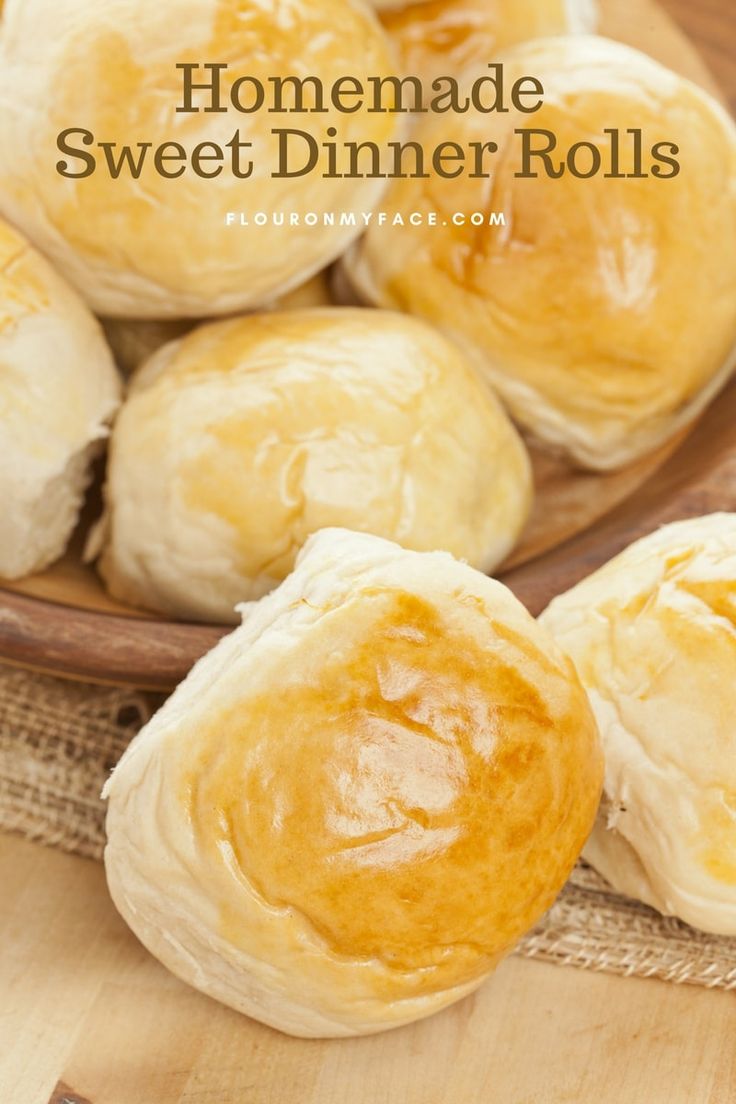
{"x":154,"y":247}
{"x":359,"y":801}
{"x":58,"y":389}
{"x":653,"y":636}
{"x":439,"y":37}
{"x":239,"y":441}
{"x":604,"y":309}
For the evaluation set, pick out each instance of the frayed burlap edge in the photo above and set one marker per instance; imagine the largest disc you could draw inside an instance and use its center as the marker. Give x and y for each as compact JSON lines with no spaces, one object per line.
{"x":594,"y":928}
{"x":59,"y":741}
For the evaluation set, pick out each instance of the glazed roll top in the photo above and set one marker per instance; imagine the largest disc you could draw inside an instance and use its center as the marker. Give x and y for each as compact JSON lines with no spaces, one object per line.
{"x":239,"y":441}
{"x":145,"y":245}
{"x":602,"y":305}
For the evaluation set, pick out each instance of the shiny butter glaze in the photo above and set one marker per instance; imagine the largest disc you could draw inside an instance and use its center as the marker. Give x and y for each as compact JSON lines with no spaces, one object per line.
{"x":604,"y":308}
{"x":417,"y":788}
{"x":156,"y":247}
{"x":253,"y":433}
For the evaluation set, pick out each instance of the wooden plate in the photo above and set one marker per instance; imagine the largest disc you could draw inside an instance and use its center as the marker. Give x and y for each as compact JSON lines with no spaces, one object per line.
{"x":63,"y":622}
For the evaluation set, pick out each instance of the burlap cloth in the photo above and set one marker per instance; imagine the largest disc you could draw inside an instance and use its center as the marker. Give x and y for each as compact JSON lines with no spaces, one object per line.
{"x":59,"y":740}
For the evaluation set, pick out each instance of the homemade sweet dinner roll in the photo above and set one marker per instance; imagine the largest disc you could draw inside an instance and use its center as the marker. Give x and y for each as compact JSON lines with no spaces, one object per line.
{"x":442,"y":37}
{"x":359,"y":801}
{"x":239,"y":441}
{"x":653,"y":636}
{"x":160,"y":248}
{"x":604,"y":310}
{"x":58,"y":389}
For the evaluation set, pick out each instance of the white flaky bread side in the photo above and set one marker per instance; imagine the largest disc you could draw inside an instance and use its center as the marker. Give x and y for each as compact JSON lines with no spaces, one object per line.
{"x":355,"y":805}
{"x":238,"y":442}
{"x":653,"y":636}
{"x":139,"y":244}
{"x":58,"y":392}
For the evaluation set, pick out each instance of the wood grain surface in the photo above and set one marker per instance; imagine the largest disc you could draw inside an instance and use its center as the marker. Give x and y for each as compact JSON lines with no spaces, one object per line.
{"x":710,"y":25}
{"x":86,"y":1015}
{"x":63,"y":622}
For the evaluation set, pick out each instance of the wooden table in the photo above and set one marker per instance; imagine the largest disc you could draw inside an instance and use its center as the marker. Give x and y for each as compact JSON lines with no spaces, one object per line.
{"x":82,"y":1003}
{"x":711,"y":24}
{"x":86,"y":1013}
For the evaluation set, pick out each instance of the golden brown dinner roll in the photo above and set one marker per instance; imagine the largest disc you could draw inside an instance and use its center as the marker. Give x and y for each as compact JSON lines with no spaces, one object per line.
{"x":603,"y":309}
{"x":239,"y":441}
{"x":58,"y":390}
{"x":356,"y":804}
{"x":151,"y":246}
{"x":653,"y":636}
{"x":438,"y":37}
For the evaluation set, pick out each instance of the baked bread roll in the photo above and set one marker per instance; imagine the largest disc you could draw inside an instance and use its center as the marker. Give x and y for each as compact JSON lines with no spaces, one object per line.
{"x":442,"y":37}
{"x":652,"y":636}
{"x":58,"y":390}
{"x":359,"y":801}
{"x":239,"y":441}
{"x":150,"y":246}
{"x":604,"y":328}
